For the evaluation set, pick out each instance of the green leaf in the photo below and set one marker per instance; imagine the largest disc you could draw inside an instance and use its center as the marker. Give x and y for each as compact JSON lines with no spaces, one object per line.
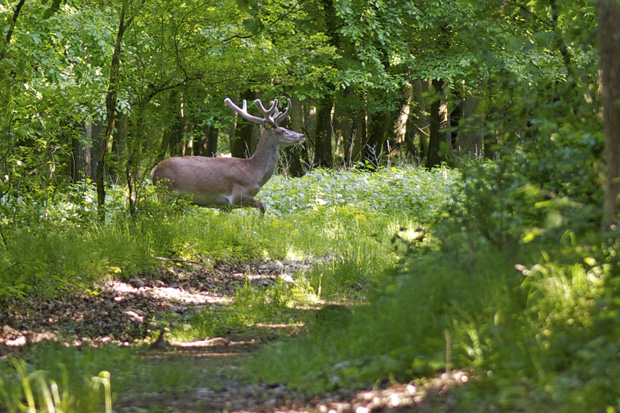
{"x":253,"y":25}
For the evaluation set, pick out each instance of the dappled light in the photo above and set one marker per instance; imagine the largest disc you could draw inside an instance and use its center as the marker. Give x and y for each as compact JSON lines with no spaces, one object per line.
{"x":123,"y":311}
{"x":309,"y":206}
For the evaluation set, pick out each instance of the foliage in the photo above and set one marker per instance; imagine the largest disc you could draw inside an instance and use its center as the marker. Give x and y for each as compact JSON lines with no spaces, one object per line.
{"x":388,"y":190}
{"x":504,"y":258}
{"x":63,"y":250}
{"x":66,"y":378}
{"x":351,"y":243}
{"x":515,"y":277}
{"x":538,"y":325}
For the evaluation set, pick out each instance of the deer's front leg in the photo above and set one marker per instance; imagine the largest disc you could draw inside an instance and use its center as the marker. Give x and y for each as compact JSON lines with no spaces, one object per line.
{"x":241,"y":199}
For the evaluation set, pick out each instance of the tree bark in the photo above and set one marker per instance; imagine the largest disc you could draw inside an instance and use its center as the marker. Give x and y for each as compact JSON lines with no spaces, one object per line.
{"x":323,"y":142}
{"x":375,"y":146}
{"x":209,"y":146}
{"x":417,"y":121}
{"x":172,"y":142}
{"x":469,"y":138}
{"x":608,"y":12}
{"x":400,"y":128}
{"x":295,"y":153}
{"x":433,"y":158}
{"x":241,"y":142}
{"x":86,"y":151}
{"x":110,"y":104}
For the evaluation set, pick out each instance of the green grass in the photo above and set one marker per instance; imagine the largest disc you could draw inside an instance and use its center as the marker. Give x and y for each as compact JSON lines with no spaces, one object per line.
{"x":343,"y":216}
{"x":537,"y":331}
{"x":387,"y":293}
{"x":342,"y":226}
{"x":75,"y":373}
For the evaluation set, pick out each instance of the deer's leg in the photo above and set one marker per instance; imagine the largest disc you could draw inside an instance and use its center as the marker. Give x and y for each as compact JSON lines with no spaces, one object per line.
{"x":252,"y":202}
{"x":241,"y":200}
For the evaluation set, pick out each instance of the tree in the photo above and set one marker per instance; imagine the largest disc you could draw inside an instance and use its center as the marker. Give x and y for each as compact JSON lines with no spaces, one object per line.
{"x":241,"y":143}
{"x":609,"y":47}
{"x":433,"y":157}
{"x":110,"y":104}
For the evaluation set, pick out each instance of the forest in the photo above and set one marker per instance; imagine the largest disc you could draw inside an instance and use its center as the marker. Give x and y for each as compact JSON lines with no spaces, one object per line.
{"x":444,"y":238}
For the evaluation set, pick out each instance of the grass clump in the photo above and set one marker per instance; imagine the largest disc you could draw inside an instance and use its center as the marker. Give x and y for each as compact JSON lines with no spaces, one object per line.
{"x":89,"y":379}
{"x":400,"y":334}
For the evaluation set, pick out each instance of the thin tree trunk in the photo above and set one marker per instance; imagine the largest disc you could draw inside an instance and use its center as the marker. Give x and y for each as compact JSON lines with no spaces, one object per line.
{"x":400,"y":128}
{"x":211,"y":137}
{"x":469,"y":139}
{"x":375,"y":145}
{"x":294,"y":153}
{"x":132,"y":164}
{"x":359,"y":135}
{"x":417,"y":123}
{"x":12,"y":22}
{"x":241,"y":142}
{"x":323,"y":143}
{"x":432,"y":158}
{"x":609,"y":48}
{"x":86,"y":151}
{"x":412,"y":128}
{"x":110,"y":104}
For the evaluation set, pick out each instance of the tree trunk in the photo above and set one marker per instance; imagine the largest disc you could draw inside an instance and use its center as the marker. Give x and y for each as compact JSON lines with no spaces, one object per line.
{"x":119,"y":148}
{"x":135,"y":140}
{"x":608,"y":12}
{"x":323,"y":142}
{"x":433,"y":157}
{"x":86,"y":151}
{"x":469,"y":138}
{"x":402,"y":122}
{"x":359,"y":135}
{"x":417,"y":122}
{"x":209,"y":146}
{"x":295,"y":153}
{"x":171,"y":142}
{"x":241,"y":142}
{"x":110,"y":105}
{"x":455,"y":114}
{"x":375,"y":145}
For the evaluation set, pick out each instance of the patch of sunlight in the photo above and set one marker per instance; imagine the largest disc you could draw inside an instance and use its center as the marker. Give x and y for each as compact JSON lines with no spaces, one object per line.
{"x":412,"y":234}
{"x":294,"y":254}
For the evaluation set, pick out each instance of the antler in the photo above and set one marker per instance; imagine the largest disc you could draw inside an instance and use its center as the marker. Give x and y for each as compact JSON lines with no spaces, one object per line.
{"x":277,"y":115}
{"x":243,"y":111}
{"x":271,"y":115}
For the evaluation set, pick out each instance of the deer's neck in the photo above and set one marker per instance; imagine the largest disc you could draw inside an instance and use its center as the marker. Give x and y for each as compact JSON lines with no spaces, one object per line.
{"x":265,"y":159}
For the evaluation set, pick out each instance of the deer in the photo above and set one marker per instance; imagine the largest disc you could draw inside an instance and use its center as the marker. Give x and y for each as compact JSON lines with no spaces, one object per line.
{"x":227,"y":183}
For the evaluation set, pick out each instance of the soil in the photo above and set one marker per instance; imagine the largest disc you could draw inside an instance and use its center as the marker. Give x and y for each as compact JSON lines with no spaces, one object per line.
{"x":123,"y":313}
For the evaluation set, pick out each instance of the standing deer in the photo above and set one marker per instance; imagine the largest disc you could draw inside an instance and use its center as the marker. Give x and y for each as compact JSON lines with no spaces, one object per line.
{"x":230,"y":182}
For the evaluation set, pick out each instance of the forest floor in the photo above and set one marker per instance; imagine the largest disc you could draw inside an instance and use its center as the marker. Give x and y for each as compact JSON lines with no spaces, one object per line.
{"x":122,"y":314}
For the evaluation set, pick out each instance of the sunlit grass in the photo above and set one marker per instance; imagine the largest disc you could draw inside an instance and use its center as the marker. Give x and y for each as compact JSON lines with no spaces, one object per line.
{"x":87,"y":379}
{"x":342,"y":228}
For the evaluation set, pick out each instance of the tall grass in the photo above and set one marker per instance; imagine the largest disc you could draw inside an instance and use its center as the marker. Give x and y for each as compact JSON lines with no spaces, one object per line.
{"x":537,"y":331}
{"x":341,"y":226}
{"x":61,"y":379}
{"x":320,"y":214}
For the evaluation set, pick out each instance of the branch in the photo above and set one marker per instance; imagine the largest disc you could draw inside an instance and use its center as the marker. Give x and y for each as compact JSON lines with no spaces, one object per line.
{"x":535,"y":16}
{"x":14,"y":21}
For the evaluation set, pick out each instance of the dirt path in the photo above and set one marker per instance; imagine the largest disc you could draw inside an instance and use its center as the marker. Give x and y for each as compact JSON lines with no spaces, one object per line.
{"x":122,"y":313}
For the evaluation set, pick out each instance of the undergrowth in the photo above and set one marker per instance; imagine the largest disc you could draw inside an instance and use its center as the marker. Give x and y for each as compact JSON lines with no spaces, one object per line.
{"x":343,"y":228}
{"x":513,"y":285}
{"x":322,"y":214}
